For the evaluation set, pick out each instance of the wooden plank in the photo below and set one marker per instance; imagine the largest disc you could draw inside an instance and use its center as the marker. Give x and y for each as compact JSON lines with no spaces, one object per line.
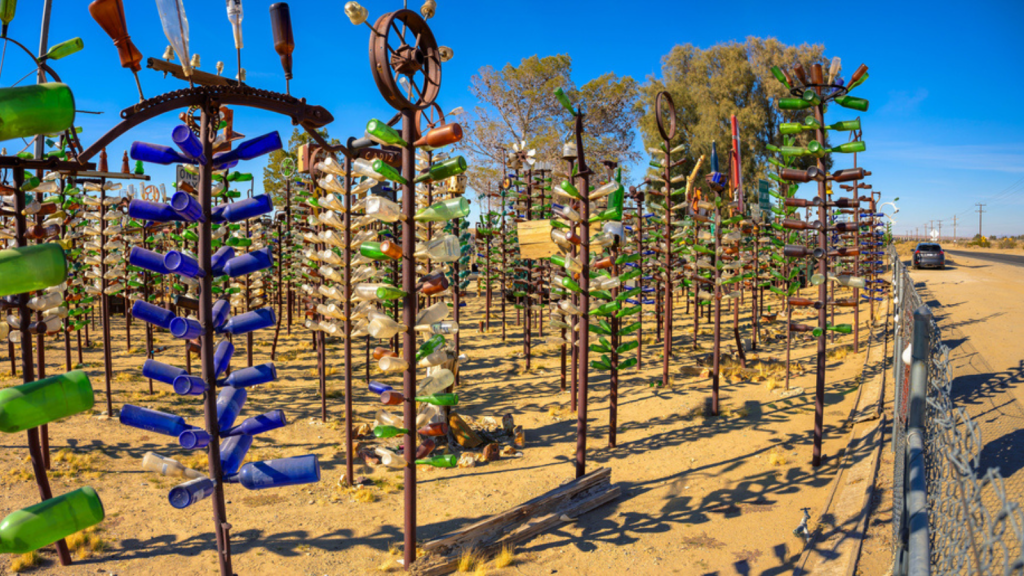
{"x":436,"y":565}
{"x":535,"y":241}
{"x":539,"y":505}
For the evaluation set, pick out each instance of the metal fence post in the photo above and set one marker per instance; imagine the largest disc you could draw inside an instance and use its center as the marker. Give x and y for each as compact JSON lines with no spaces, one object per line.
{"x":915,"y":500}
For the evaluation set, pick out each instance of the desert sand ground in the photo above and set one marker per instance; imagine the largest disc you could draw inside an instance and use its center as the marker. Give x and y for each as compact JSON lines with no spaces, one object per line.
{"x":701,"y":495}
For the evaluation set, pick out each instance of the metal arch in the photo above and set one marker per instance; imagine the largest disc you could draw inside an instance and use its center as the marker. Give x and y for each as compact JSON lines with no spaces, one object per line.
{"x":424,"y":121}
{"x":666,"y":133}
{"x":307,"y":116}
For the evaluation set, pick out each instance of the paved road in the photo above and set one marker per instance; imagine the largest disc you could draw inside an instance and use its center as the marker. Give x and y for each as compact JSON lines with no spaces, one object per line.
{"x":1011,"y":259}
{"x":979,"y":305}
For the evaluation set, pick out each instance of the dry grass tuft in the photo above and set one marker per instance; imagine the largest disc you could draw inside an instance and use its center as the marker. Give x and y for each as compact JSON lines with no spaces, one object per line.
{"x":469,"y":561}
{"x":506,"y":557}
{"x":560,"y":413}
{"x":26,"y":561}
{"x":20,"y":474}
{"x":772,"y":383}
{"x":364,"y":495}
{"x":776,"y":457}
{"x":75,"y":464}
{"x":199,"y":461}
{"x":85,"y":543}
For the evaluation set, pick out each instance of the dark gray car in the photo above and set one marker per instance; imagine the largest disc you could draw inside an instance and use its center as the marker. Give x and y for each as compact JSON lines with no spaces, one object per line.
{"x":929,"y":255}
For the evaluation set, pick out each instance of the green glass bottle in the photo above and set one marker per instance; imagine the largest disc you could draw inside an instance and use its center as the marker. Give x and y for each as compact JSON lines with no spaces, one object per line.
{"x":447,"y":169}
{"x":46,"y":108}
{"x":794,"y":104}
{"x":65,"y":48}
{"x":777,"y":72}
{"x":388,"y":431}
{"x":564,"y":101}
{"x":844,"y":125}
{"x":428,"y":347}
{"x":850,"y":147}
{"x":606,"y":309}
{"x":191,"y":236}
{"x":390,"y":293}
{"x":439,"y":399}
{"x":629,"y":363}
{"x":570,"y":190}
{"x":853,"y":103}
{"x":389,"y":173}
{"x":43,"y":401}
{"x":440,"y":461}
{"x":444,"y":211}
{"x":31,"y":268}
{"x":811,"y":96}
{"x":47,"y":522}
{"x":381,"y":133}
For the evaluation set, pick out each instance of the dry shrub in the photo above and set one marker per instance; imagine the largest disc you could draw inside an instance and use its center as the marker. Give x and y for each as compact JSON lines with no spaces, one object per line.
{"x":26,"y":561}
{"x":1008,"y":244}
{"x":771,"y":383}
{"x":560,"y":413}
{"x":75,"y":464}
{"x":199,"y":461}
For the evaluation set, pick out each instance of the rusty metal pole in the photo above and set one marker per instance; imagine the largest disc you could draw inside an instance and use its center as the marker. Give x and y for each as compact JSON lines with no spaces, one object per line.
{"x":819,"y":392}
{"x":717,"y":350}
{"x":583,"y":341}
{"x":207,"y":132}
{"x":347,"y":255}
{"x":108,"y":368}
{"x":35,"y":448}
{"x":856,"y":260}
{"x":667,"y":344}
{"x":409,"y":336}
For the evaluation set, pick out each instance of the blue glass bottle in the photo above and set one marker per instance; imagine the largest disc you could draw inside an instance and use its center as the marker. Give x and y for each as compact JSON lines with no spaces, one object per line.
{"x":222,"y":256}
{"x":188,"y":143}
{"x":153,"y":314}
{"x":276,"y":473}
{"x":187,"y":206}
{"x":161,"y":372}
{"x":248,"y":150}
{"x":180,"y":263}
{"x":189,"y":385}
{"x":229,"y":404}
{"x":232,"y":452}
{"x":148,"y":259}
{"x":220,"y":312}
{"x":378,"y":388}
{"x":186,"y":328}
{"x":187,"y":494}
{"x":248,"y":208}
{"x":195,"y":439}
{"x":249,"y":263}
{"x":256,"y":425}
{"x":250,"y":321}
{"x":154,"y":211}
{"x":252,"y":376}
{"x":152,"y":420}
{"x":222,"y":357}
{"x":157,"y":154}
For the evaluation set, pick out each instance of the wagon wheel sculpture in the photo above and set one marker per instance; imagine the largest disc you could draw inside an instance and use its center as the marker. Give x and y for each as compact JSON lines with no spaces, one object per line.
{"x":405,"y":60}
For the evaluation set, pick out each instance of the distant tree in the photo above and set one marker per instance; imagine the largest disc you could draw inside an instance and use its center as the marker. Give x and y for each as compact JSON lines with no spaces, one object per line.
{"x":273,"y":178}
{"x":517,"y":103}
{"x":709,"y":85}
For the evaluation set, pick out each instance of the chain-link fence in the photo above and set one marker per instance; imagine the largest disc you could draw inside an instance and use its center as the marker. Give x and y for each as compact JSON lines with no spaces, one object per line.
{"x":949,"y":517}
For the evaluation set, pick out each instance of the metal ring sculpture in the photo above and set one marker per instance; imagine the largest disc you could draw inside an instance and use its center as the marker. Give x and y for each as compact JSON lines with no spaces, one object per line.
{"x":409,"y":59}
{"x":666,"y":98}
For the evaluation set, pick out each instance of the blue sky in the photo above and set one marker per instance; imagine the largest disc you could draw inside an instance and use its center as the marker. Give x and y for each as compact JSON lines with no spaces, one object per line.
{"x":945,"y":129}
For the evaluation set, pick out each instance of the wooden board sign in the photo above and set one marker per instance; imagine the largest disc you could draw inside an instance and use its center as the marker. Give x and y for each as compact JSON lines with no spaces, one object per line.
{"x":535,"y":241}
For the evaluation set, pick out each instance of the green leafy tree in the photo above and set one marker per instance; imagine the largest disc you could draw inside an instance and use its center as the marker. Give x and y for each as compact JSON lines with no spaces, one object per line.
{"x":273,"y":175}
{"x":709,"y":85}
{"x":517,"y":104}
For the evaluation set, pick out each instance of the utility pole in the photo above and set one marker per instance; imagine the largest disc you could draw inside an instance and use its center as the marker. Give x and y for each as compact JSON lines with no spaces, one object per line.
{"x":954,"y":229}
{"x":980,"y":211}
{"x":940,"y":230}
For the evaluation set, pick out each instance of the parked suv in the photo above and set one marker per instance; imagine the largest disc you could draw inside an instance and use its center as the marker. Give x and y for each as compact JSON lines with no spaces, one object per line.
{"x":928,"y":254}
